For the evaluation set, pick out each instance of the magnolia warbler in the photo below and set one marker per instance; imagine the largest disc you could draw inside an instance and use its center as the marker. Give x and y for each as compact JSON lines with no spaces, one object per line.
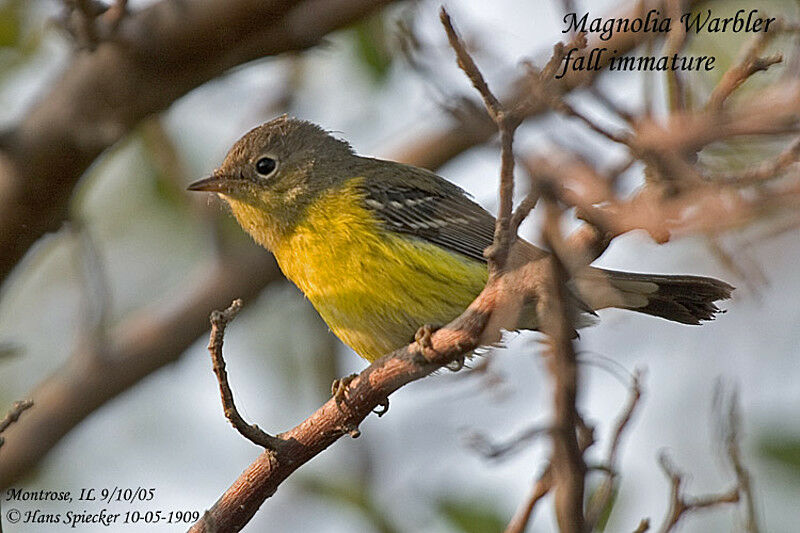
{"x":381,"y":248}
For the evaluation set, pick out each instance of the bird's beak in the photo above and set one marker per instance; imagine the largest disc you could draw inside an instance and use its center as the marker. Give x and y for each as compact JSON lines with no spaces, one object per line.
{"x":215,"y":183}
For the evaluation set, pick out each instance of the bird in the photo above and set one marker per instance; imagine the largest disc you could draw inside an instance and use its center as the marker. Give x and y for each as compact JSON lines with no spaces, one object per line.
{"x":381,"y":248}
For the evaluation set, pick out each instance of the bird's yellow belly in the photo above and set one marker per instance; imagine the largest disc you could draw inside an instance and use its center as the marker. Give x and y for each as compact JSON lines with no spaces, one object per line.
{"x":374,"y":288}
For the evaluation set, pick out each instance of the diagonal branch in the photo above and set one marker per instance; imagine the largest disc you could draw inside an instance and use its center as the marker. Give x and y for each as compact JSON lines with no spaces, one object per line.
{"x":434,"y":149}
{"x":337,"y":418}
{"x":13,"y":415}
{"x":343,"y":413}
{"x":159,"y":54}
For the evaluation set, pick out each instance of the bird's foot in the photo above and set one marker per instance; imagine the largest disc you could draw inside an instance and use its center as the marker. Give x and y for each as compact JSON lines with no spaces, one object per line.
{"x":424,"y":334}
{"x":339,"y":387}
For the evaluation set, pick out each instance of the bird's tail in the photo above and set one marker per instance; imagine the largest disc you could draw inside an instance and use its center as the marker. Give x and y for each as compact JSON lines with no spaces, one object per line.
{"x":684,"y":299}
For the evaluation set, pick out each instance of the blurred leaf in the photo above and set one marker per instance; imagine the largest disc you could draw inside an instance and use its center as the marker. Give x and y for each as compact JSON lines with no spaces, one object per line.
{"x":372,"y":46}
{"x":472,"y":516}
{"x":169,"y":171}
{"x":782,"y":449}
{"x":10,"y":23}
{"x":605,"y":514}
{"x":9,"y":350}
{"x":17,"y":45}
{"x":354,"y":494}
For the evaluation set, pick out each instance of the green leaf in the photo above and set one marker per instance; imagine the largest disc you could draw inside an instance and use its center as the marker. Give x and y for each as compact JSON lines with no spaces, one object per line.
{"x":782,"y":449}
{"x":472,"y":516}
{"x":372,"y":46}
{"x":353,"y":494}
{"x":9,"y":350}
{"x":10,"y":23}
{"x":605,"y":514}
{"x":168,"y":169}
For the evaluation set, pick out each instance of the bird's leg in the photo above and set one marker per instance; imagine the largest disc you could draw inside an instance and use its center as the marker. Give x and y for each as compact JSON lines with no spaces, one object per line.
{"x":339,"y":386}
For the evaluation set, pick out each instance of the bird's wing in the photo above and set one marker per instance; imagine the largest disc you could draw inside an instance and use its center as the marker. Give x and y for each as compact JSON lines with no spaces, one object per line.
{"x":438,"y":213}
{"x":431,"y":208}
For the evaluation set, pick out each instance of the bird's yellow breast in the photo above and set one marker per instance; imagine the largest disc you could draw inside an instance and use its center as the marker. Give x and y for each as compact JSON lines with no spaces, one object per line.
{"x":373,"y":287}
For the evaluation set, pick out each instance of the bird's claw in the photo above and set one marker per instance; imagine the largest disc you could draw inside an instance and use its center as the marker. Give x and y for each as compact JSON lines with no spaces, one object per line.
{"x":423,"y":336}
{"x":339,"y":387}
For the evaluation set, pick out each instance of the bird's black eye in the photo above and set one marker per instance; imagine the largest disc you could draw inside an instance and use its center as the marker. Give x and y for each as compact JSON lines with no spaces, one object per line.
{"x":265,"y":166}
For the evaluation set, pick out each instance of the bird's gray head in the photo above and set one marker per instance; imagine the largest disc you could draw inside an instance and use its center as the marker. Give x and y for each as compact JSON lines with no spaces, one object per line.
{"x":275,"y":171}
{"x":284,"y":156}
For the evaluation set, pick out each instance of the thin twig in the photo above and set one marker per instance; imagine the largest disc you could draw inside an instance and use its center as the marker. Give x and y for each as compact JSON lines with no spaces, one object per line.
{"x":523,"y":210}
{"x":605,"y":491}
{"x":561,"y":105}
{"x":543,"y":485}
{"x":523,"y":515}
{"x":115,"y":14}
{"x":732,"y":427}
{"x":763,"y":172}
{"x":506,"y":123}
{"x":726,"y":408}
{"x":750,"y":64}
{"x":675,"y":41}
{"x":219,"y":320}
{"x":610,"y":104}
{"x":569,"y":469}
{"x":736,"y":76}
{"x":680,"y":504}
{"x":467,"y":64}
{"x":13,"y":415}
{"x":494,"y":450}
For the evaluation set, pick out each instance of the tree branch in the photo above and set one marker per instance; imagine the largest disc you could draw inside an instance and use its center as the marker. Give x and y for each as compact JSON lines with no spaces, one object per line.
{"x":602,"y":496}
{"x":159,"y":54}
{"x":681,"y":504}
{"x":152,"y":338}
{"x":553,"y":310}
{"x":13,"y":415}
{"x":338,"y":418}
{"x":370,"y":389}
{"x":432,"y":149}
{"x":543,"y":485}
{"x":731,"y":429}
{"x":727,"y":409}
{"x":506,"y":123}
{"x":219,"y":320}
